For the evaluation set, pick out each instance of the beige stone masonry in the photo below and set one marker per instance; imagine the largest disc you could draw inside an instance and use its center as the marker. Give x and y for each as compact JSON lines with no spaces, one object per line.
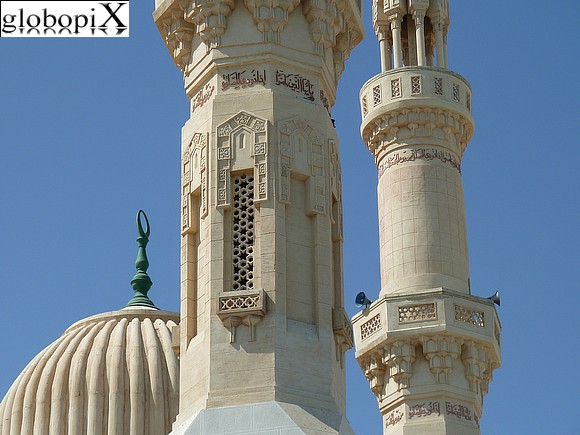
{"x":262,"y":309}
{"x":427,"y":346}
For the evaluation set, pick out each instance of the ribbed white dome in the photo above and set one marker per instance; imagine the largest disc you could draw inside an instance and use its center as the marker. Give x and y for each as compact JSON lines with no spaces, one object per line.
{"x":113,"y":373}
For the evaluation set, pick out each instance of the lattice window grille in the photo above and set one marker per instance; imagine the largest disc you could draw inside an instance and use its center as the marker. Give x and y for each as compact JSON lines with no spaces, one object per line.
{"x":438,"y":85}
{"x":456,"y":95}
{"x":365,"y":106}
{"x":243,"y":232}
{"x":377,"y":97}
{"x":370,"y":327}
{"x":416,"y":313}
{"x":468,"y":101}
{"x":396,"y":88}
{"x":415,"y":85}
{"x":469,"y":315}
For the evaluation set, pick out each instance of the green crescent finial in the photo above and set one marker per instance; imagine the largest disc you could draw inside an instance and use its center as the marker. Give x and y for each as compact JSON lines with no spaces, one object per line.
{"x":141,"y":282}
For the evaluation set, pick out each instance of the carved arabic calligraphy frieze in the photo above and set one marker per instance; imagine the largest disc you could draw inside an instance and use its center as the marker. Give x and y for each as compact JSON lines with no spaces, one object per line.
{"x":243,"y":79}
{"x":423,"y":410}
{"x":459,"y":411}
{"x":202,"y":97}
{"x":296,"y":83}
{"x":397,"y":158}
{"x":393,"y":418}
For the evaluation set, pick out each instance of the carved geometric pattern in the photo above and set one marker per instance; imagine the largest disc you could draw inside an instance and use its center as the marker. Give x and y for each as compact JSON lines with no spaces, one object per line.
{"x":365,"y":107}
{"x":243,"y":232}
{"x":374,"y":371}
{"x":440,"y":351}
{"x":242,"y":118}
{"x":260,"y":149}
{"x":259,"y":125}
{"x":224,"y":130}
{"x":469,"y":315}
{"x":223,"y":154}
{"x":342,"y":329}
{"x":336,"y":188}
{"x":439,"y":85}
{"x":400,"y":357}
{"x":194,"y":166}
{"x":210,"y":19}
{"x":241,"y":129}
{"x":415,"y":85}
{"x":320,"y":182}
{"x":456,"y":94}
{"x":239,"y":302}
{"x":415,"y":313}
{"x":178,"y":36}
{"x":271,"y":17}
{"x":370,"y":327}
{"x":245,"y":307}
{"x":377,"y":95}
{"x":324,"y":22}
{"x":474,"y":358}
{"x":296,"y":135}
{"x":396,"y":88}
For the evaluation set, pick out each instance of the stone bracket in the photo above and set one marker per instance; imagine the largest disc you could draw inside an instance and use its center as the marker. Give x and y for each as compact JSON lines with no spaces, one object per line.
{"x":246,"y":307}
{"x":342,"y":329}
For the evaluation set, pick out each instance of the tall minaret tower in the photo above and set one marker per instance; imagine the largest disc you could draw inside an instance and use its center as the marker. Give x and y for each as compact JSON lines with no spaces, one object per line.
{"x":263,"y":330}
{"x":427,"y":346}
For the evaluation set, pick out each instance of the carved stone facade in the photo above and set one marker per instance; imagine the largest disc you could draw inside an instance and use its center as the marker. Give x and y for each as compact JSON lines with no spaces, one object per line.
{"x":427,"y":346}
{"x":262,"y":280}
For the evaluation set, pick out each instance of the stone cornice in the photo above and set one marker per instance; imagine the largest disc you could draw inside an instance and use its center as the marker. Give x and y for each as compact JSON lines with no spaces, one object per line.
{"x":185,"y":24}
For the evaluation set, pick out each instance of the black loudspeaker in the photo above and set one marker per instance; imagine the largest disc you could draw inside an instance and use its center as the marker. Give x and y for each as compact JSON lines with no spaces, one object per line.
{"x":495,"y":299}
{"x":361,"y":299}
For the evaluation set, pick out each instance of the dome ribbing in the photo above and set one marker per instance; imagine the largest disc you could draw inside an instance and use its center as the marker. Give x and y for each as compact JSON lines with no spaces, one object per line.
{"x":113,"y":373}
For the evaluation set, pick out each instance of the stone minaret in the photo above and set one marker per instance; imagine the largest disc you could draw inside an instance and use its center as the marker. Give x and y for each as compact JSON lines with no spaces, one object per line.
{"x":263,"y":330}
{"x":427,"y":346}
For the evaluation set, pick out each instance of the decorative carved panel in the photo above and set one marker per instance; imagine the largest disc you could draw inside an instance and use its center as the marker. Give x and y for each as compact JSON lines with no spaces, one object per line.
{"x":194,"y":176}
{"x":298,"y":137}
{"x":417,"y":313}
{"x":254,"y":128}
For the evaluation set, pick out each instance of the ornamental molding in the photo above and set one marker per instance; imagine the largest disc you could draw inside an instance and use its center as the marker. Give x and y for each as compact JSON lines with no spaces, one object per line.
{"x":246,"y":307}
{"x":343,"y":334}
{"x":271,"y":16}
{"x":303,"y":151}
{"x":178,"y":34}
{"x":424,"y":122}
{"x":411,"y":155}
{"x":209,"y":17}
{"x":194,"y":178}
{"x":440,"y":351}
{"x":244,"y":135}
{"x":393,"y":360}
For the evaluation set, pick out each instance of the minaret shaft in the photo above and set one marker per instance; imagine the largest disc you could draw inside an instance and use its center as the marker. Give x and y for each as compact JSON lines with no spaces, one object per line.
{"x":263,"y":325}
{"x":426,"y":345}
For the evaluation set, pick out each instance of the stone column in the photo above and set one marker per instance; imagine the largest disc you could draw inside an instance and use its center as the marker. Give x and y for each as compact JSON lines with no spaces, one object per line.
{"x":385,"y":48}
{"x":396,"y":21}
{"x":419,"y":17}
{"x":439,"y":42}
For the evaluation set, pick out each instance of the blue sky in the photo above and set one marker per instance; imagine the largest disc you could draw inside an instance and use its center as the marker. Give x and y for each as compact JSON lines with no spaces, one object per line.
{"x":90,"y":133}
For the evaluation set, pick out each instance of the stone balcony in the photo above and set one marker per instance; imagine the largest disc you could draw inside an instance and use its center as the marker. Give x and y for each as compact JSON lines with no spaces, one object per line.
{"x":412,"y":88}
{"x":402,"y":338}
